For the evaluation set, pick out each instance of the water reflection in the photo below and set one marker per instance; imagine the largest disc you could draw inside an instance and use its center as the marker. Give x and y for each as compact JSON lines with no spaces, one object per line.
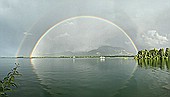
{"x":163,"y":64}
{"x":83,"y":77}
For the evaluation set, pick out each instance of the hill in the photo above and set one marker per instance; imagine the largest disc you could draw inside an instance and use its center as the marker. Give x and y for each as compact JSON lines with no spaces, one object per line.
{"x":101,"y":51}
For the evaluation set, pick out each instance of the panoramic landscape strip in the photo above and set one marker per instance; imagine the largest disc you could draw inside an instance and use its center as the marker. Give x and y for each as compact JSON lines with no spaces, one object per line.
{"x":71,"y":56}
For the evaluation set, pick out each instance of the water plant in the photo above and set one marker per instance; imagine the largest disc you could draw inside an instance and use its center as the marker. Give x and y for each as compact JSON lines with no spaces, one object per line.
{"x":8,"y":82}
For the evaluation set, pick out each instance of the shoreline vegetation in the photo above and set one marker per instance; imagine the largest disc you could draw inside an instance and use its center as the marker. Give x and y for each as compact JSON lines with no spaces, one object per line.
{"x":153,"y":54}
{"x":157,"y":59}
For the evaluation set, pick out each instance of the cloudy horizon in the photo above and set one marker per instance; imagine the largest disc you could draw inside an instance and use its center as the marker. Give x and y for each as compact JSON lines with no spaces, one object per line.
{"x":146,"y":22}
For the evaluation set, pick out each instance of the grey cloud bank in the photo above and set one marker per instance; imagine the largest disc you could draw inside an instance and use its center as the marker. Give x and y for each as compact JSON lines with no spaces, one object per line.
{"x":137,"y":18}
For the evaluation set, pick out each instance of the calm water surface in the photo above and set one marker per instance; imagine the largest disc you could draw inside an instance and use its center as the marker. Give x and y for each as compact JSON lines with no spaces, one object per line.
{"x":87,"y":78}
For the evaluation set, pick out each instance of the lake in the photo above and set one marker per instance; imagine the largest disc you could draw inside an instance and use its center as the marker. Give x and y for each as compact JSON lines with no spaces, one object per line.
{"x":112,"y":77}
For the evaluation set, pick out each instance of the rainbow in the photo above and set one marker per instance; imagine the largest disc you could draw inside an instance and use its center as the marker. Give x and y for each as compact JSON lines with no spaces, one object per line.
{"x":77,"y":17}
{"x":25,"y":36}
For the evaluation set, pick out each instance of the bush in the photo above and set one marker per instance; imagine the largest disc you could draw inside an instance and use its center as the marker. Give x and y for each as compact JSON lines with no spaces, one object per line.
{"x":8,"y":82}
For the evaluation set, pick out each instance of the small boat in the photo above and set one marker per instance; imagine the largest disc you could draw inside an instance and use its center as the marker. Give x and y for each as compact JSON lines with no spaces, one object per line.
{"x":74,"y":57}
{"x":101,"y":57}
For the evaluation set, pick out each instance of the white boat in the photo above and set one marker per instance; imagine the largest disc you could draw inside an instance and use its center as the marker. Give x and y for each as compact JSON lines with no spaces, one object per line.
{"x":101,"y":57}
{"x":74,"y":57}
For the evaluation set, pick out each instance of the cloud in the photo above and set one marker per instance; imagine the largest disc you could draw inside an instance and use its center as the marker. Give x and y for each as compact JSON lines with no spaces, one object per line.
{"x":28,"y":34}
{"x":128,"y":42}
{"x":154,"y":39}
{"x":70,"y":23}
{"x":63,"y":35}
{"x":168,"y":36}
{"x":16,"y":17}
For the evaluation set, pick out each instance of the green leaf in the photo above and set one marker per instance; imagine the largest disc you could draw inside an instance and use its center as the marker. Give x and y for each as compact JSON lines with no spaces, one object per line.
{"x":6,"y":78}
{"x":14,"y":85}
{"x":1,"y":89}
{"x":12,"y":78}
{"x":9,"y":73}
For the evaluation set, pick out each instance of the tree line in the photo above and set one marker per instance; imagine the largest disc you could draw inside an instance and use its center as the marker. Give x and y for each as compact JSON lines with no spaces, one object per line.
{"x":153,"y":54}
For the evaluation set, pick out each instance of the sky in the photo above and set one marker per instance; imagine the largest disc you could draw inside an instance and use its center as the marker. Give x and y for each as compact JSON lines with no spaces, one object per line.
{"x":23,"y":22}
{"x":81,"y":35}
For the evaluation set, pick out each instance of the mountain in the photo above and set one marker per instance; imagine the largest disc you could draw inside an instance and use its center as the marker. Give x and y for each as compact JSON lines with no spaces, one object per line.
{"x":108,"y":51}
{"x":101,"y":51}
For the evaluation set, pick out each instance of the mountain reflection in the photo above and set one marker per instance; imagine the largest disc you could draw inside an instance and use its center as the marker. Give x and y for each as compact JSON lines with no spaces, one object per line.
{"x":163,"y":64}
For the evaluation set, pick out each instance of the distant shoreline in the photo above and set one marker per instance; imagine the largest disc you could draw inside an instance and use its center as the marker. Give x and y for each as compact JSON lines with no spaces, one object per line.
{"x":21,"y":57}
